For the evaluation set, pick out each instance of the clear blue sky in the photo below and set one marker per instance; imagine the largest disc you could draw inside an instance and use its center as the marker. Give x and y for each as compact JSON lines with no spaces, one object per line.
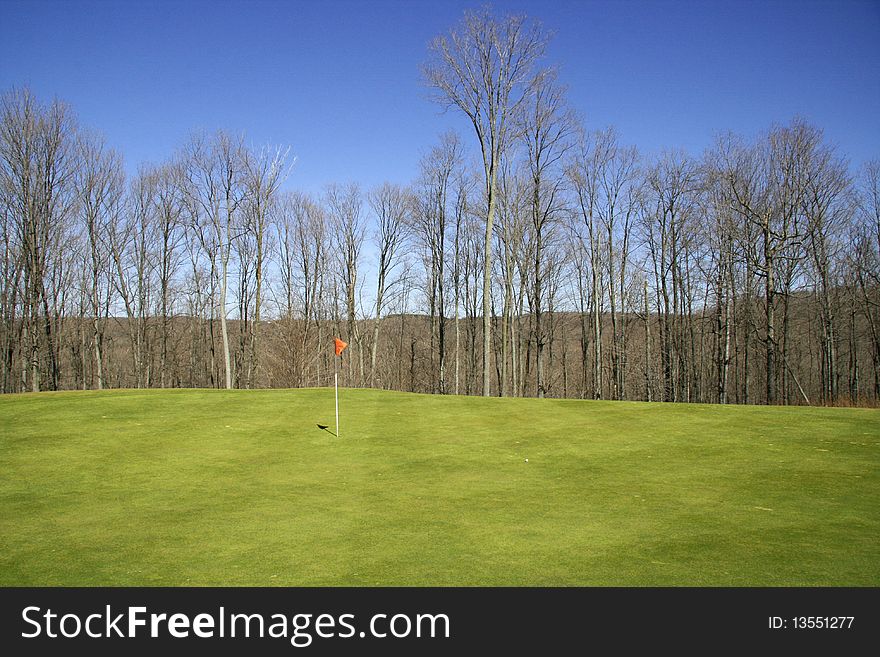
{"x":339,"y":81}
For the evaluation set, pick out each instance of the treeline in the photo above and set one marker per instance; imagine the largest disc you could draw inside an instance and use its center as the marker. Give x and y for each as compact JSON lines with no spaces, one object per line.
{"x":750,"y":274}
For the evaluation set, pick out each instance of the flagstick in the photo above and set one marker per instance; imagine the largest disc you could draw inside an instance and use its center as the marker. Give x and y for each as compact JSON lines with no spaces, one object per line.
{"x":336,"y":385}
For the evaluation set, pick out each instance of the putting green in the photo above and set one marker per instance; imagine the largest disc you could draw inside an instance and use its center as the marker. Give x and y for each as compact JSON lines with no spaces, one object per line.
{"x":206,"y":487}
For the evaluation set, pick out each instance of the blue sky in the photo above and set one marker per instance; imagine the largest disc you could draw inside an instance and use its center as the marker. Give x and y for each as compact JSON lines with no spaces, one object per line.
{"x":339,"y":81}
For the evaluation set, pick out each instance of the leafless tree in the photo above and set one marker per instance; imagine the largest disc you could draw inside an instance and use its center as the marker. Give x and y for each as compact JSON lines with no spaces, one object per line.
{"x":865,"y":257}
{"x":753,"y":272}
{"x":511,"y":228}
{"x":767,"y":183}
{"x":670,"y":185}
{"x":547,"y":127}
{"x":389,"y":204}
{"x":827,"y":206}
{"x":463,"y":191}
{"x":263,"y":174}
{"x":213,"y":183}
{"x":299,"y":258}
{"x":168,"y":239}
{"x":38,"y":161}
{"x":131,"y":247}
{"x":620,"y":199}
{"x":344,"y":204}
{"x":487,"y":67}
{"x":430,"y":223}
{"x":10,"y":280}
{"x":722,"y":238}
{"x":585,"y":176}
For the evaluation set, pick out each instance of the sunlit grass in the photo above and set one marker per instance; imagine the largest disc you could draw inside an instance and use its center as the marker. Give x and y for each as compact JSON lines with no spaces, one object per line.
{"x":190,"y":487}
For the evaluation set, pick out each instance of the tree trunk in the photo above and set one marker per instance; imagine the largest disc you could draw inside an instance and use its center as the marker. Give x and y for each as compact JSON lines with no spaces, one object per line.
{"x":487,"y":282}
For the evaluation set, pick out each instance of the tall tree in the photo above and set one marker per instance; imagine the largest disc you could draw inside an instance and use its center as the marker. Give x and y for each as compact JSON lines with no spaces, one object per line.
{"x":722,"y":240}
{"x":263,"y":174}
{"x":670,"y":186}
{"x":389,"y":204}
{"x":132,"y":249}
{"x":620,"y":195}
{"x":168,"y":240}
{"x":585,"y":174}
{"x":213,"y":184}
{"x":510,"y":233}
{"x":38,"y":158}
{"x":487,"y":67}
{"x":547,"y":126}
{"x":345,"y":206}
{"x":462,"y":194}
{"x":302,"y":237}
{"x":827,"y":207}
{"x":865,"y":257}
{"x":767,"y":184}
{"x":430,"y":224}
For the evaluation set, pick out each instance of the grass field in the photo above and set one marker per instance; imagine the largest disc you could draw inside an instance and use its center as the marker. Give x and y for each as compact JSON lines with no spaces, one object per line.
{"x":212,"y":487}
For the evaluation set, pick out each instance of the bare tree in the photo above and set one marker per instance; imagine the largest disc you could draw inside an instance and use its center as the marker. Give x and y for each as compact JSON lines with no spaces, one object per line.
{"x":585,"y":176}
{"x":486,"y":68}
{"x":722,"y":239}
{"x":429,"y":225}
{"x":169,"y":235}
{"x":263,"y":173}
{"x":462,"y":194}
{"x":671,"y":184}
{"x":754,"y":274}
{"x":767,"y":184}
{"x":38,"y":161}
{"x":10,"y":282}
{"x":513,"y":215}
{"x":827,"y":207}
{"x":130,"y":238}
{"x":389,"y":204}
{"x":99,"y":186}
{"x":621,"y":201}
{"x":213,"y":184}
{"x":302,"y":236}
{"x":345,"y":204}
{"x":547,"y":127}
{"x":865,"y":257}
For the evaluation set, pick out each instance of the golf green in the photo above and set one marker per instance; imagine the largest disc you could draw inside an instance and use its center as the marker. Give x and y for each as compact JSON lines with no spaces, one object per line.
{"x":206,"y":487}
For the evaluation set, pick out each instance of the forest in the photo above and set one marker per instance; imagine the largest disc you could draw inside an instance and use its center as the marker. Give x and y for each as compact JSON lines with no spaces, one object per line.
{"x":535,"y":256}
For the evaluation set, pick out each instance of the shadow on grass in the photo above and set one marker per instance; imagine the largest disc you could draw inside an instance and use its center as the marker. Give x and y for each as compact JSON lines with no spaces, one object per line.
{"x":324,"y":427}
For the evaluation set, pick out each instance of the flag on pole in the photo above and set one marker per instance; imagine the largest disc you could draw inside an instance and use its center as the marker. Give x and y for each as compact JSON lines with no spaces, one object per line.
{"x":340,"y":347}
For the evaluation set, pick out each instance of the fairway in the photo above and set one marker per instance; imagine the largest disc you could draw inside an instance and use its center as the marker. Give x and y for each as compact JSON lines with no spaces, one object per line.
{"x":207,"y":487}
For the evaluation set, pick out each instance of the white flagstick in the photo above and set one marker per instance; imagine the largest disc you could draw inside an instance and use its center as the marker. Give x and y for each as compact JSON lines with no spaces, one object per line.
{"x":336,"y":385}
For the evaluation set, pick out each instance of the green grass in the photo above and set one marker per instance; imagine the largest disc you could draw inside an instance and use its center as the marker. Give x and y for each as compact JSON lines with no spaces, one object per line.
{"x":192,"y":487}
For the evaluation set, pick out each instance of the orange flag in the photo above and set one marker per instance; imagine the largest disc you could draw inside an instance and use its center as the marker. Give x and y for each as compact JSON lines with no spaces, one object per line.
{"x":340,"y":346}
